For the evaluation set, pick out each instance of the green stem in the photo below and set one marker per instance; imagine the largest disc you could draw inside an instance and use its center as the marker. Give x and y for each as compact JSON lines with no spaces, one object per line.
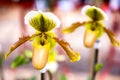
{"x":96,"y":54}
{"x":1,"y":66}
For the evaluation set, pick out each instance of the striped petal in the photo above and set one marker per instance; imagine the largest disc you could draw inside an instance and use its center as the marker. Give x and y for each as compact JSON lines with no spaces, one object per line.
{"x":94,"y":13}
{"x":42,"y":21}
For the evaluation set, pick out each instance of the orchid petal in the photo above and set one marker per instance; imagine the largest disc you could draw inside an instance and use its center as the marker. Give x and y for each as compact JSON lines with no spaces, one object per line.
{"x":74,"y":56}
{"x":112,"y":38}
{"x":18,"y":43}
{"x":54,"y":18}
{"x":73,"y":27}
{"x":29,"y":15}
{"x":42,"y":21}
{"x":94,"y":13}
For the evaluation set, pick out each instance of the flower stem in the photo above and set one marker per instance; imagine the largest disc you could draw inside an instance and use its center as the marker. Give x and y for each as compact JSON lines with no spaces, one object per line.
{"x":42,"y":76}
{"x":96,"y":54}
{"x":1,"y":66}
{"x":50,"y":75}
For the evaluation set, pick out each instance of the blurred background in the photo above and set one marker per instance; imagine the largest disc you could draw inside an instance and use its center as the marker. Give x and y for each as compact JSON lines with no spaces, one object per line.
{"x":12,"y":27}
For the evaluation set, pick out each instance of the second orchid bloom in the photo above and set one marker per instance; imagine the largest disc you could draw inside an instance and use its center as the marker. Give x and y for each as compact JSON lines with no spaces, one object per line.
{"x":43,"y":23}
{"x":94,"y":27}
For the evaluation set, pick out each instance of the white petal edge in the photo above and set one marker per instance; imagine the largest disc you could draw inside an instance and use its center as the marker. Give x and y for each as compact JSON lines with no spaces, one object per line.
{"x":54,"y":18}
{"x":29,"y":15}
{"x":44,"y":69}
{"x":53,"y":66}
{"x":84,"y":9}
{"x":50,"y":15}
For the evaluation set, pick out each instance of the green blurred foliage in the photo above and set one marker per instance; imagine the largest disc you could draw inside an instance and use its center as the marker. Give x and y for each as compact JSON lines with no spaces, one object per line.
{"x":98,"y":67}
{"x":28,"y":53}
{"x":33,"y":78}
{"x":62,"y":77}
{"x":1,"y":58}
{"x":22,"y":59}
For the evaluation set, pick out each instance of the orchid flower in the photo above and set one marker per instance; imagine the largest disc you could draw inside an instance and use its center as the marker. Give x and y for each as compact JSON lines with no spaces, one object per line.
{"x":43,"y":23}
{"x":94,"y":26}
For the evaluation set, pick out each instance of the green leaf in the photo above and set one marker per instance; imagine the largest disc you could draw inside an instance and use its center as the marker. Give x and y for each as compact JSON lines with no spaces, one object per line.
{"x":33,"y":78}
{"x":1,"y":59}
{"x":28,"y":53}
{"x":98,"y":67}
{"x":96,"y":14}
{"x":62,"y":77}
{"x":72,"y":28}
{"x":90,"y":78}
{"x":20,"y":60}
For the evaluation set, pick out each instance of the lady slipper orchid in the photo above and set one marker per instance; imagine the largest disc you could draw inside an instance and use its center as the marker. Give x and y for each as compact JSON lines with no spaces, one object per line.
{"x":43,"y":39}
{"x":94,"y":26}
